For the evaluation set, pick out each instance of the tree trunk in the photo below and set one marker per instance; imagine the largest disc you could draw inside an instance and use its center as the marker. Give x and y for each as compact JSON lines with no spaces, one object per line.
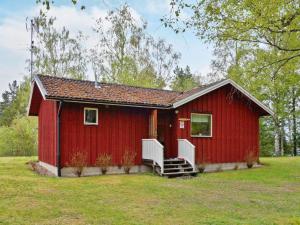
{"x":282,"y":138}
{"x":277,"y":141}
{"x":294,"y":126}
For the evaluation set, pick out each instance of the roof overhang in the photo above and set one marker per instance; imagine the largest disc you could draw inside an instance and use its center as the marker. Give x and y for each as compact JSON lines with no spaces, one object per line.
{"x":96,"y":102}
{"x":177,"y":104}
{"x":219,"y":85}
{"x":40,"y":86}
{"x":35,"y":82}
{"x":45,"y":96}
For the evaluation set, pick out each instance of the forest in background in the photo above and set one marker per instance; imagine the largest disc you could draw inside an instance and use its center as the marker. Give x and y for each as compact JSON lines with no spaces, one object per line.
{"x":259,"y":53}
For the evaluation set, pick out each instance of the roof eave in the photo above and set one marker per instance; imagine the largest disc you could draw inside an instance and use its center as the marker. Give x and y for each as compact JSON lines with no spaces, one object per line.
{"x":40,"y":86}
{"x":97,"y":102}
{"x":30,"y":99}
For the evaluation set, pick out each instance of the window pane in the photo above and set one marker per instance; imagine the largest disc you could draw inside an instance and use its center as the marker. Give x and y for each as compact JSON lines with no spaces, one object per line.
{"x":90,"y":116}
{"x":200,"y":118}
{"x":200,"y":125}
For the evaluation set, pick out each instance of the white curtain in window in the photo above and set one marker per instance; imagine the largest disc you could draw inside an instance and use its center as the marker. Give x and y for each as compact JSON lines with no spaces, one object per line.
{"x":200,"y":118}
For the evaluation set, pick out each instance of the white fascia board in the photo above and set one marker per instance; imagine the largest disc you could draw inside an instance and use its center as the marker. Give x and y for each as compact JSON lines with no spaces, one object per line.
{"x":255,"y":100}
{"x":218,"y":85}
{"x":30,"y":98}
{"x":40,"y":86}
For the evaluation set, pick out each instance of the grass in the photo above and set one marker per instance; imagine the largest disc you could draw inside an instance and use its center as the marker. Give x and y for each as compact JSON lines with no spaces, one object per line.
{"x":267,"y":195}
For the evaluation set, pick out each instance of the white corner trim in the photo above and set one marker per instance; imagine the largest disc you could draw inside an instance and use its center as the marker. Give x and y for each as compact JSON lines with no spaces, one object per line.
{"x":40,"y":86}
{"x":218,"y":85}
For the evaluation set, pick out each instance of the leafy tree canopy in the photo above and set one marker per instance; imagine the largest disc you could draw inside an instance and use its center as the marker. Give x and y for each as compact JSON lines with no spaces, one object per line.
{"x":184,"y":80}
{"x":126,"y":53}
{"x":56,"y":53}
{"x":254,"y":22}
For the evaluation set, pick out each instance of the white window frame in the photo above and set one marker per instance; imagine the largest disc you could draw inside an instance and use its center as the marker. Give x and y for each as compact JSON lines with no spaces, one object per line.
{"x":211,"y":125}
{"x":87,"y":123}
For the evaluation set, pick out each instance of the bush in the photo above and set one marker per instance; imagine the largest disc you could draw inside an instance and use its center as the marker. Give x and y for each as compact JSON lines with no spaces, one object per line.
{"x":201,"y":167}
{"x":19,"y":139}
{"x":78,"y":162}
{"x":250,"y":159}
{"x":104,"y":161}
{"x":128,"y":161}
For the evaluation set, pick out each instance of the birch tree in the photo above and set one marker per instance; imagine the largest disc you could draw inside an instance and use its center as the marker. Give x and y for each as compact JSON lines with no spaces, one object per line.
{"x":56,"y":52}
{"x":126,"y":53}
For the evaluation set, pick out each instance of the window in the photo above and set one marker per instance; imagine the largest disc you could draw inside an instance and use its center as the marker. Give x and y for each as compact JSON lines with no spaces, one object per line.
{"x":90,"y":116}
{"x":201,"y":125}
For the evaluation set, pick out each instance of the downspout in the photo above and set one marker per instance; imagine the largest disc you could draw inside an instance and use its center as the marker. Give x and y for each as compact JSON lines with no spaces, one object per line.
{"x":58,"y":156}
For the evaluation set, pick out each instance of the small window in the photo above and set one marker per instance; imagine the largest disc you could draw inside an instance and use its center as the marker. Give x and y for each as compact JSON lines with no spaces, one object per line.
{"x":201,"y":125}
{"x":90,"y":116}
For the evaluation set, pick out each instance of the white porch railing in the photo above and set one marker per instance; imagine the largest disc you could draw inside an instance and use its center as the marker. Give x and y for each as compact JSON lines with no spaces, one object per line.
{"x":153,"y":150}
{"x":186,"y":150}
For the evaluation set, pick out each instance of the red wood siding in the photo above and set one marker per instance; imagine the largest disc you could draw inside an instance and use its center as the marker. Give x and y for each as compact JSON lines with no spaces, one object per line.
{"x":235,"y":126}
{"x":47,"y":132}
{"x":35,"y":102}
{"x":119,"y":129}
{"x":235,"y":130}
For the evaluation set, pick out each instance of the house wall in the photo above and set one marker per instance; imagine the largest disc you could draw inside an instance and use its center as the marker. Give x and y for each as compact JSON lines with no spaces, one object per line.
{"x":235,"y":126}
{"x":47,"y":132}
{"x":235,"y":130}
{"x":119,"y":129}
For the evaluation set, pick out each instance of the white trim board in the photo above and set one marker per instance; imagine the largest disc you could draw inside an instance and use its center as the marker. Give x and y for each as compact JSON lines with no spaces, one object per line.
{"x":218,"y":85}
{"x":84,"y":115}
{"x":30,"y":98}
{"x":40,"y":86}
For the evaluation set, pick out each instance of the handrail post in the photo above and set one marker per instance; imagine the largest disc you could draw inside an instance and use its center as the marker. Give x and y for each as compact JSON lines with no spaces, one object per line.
{"x":186,"y":150}
{"x":153,"y":150}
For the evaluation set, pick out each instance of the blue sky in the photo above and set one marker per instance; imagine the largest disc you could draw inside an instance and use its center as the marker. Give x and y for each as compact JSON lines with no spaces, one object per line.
{"x":14,"y":40}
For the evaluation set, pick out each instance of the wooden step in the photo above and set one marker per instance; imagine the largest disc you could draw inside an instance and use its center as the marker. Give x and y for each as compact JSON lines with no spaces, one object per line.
{"x":173,"y":160}
{"x":179,"y":173}
{"x":178,"y":168}
{"x":177,"y":164}
{"x":172,"y":168}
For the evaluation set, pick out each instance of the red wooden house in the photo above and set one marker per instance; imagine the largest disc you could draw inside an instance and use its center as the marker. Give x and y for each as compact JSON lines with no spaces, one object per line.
{"x":215,"y":124}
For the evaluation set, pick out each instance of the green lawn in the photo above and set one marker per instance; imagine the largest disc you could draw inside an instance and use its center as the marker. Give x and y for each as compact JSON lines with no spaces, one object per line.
{"x":268,"y":195}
